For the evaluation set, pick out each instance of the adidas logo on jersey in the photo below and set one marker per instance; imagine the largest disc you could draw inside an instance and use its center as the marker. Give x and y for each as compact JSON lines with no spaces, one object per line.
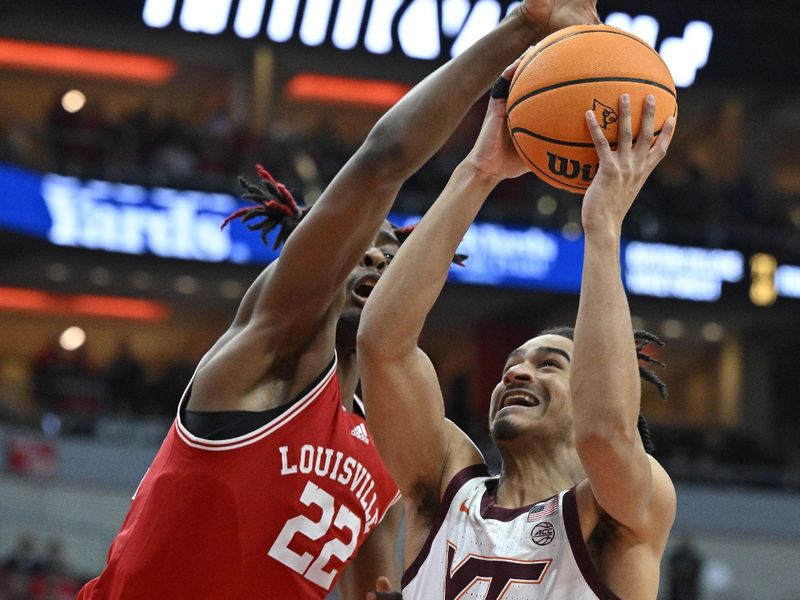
{"x":360,"y":432}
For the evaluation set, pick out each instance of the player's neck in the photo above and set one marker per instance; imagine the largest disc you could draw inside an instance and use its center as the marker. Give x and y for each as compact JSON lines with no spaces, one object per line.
{"x":347,"y":371}
{"x":533,"y":475}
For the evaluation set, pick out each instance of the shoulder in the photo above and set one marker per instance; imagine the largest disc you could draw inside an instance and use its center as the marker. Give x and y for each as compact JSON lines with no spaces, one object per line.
{"x":461,"y":453}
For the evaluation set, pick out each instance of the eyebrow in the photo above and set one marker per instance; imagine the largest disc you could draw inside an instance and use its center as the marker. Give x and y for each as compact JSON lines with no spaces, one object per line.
{"x":515,"y":354}
{"x":518,"y":353}
{"x":554,"y":350}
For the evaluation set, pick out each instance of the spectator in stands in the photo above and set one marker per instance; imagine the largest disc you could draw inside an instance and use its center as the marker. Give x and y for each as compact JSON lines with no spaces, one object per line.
{"x":685,"y":566}
{"x":23,"y":557}
{"x":124,"y":379}
{"x":54,"y":580}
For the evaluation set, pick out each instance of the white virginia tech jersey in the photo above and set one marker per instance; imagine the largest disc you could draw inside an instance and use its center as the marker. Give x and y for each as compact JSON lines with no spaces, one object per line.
{"x":478,"y":551}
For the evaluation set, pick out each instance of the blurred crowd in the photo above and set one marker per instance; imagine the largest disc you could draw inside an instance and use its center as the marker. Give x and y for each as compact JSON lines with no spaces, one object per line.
{"x":31,"y":573}
{"x":700,"y":195}
{"x":63,"y":392}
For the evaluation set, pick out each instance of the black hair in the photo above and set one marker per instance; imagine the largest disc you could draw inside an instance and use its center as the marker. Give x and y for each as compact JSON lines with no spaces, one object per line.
{"x":274,"y":204}
{"x":641,"y":340}
{"x":277,"y":208}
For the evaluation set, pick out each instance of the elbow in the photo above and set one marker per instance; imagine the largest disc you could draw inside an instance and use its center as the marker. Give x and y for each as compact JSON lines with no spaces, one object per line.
{"x":598,"y":440}
{"x":378,"y":342}
{"x":370,"y":344}
{"x":384,"y":155}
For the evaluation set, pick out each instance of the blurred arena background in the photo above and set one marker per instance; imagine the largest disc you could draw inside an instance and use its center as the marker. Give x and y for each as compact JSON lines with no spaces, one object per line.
{"x":123,"y":126}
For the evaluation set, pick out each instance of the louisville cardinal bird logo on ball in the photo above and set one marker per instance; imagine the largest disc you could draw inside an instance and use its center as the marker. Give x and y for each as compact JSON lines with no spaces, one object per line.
{"x":605,"y":114}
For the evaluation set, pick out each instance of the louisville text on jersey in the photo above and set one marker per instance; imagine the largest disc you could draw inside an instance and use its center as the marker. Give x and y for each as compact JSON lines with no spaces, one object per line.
{"x":338,"y":467}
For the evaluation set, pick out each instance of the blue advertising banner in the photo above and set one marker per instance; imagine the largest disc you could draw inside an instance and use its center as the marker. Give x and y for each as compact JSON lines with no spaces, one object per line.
{"x":185,"y":224}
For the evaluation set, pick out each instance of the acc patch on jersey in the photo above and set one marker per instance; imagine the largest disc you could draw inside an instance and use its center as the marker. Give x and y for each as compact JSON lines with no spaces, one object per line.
{"x":543,"y":533}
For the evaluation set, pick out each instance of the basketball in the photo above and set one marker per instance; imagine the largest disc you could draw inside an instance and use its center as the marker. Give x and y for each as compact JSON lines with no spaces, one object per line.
{"x":580,"y":68}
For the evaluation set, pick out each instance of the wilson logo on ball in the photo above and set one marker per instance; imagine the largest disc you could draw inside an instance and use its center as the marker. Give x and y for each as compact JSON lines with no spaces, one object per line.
{"x":569,"y":167}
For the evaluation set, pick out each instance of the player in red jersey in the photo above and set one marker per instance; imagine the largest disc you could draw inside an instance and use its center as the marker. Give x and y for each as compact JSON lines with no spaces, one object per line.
{"x":267,"y":485}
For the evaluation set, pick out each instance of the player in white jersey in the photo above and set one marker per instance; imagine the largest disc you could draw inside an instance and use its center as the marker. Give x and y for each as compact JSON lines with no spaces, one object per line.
{"x":580,"y":510}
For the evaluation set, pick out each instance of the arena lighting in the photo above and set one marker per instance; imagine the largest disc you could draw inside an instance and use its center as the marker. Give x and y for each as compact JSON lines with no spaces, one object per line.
{"x":81,"y":304}
{"x":787,"y":281}
{"x":345,"y":90}
{"x":152,"y":70}
{"x":420,"y":29}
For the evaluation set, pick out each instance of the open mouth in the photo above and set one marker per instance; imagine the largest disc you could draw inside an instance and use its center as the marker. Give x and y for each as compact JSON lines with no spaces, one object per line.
{"x":362,"y":288}
{"x":519,"y":398}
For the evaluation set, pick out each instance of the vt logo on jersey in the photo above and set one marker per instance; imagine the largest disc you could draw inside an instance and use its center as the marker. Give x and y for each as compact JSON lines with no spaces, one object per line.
{"x":490,"y":577}
{"x":605,"y":114}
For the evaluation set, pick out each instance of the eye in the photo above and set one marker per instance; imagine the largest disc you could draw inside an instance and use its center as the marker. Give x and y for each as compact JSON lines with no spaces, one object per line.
{"x":388,"y":256}
{"x":549,"y":362}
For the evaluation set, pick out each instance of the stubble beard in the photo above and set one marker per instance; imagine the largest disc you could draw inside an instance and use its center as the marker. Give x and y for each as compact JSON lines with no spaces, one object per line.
{"x":505,"y":430}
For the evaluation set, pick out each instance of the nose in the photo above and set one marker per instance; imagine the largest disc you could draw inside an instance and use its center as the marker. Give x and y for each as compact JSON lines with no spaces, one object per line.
{"x":518,"y":374}
{"x":374,"y":258}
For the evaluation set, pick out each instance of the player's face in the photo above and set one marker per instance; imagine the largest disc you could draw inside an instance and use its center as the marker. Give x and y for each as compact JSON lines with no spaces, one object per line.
{"x":533,"y":394}
{"x":372,"y":265}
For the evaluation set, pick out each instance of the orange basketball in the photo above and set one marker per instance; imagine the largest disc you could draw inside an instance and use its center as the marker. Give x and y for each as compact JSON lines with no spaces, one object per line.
{"x":580,"y":68}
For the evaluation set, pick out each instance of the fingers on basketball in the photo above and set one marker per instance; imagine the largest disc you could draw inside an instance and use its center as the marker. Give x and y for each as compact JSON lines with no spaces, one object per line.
{"x":580,"y":68}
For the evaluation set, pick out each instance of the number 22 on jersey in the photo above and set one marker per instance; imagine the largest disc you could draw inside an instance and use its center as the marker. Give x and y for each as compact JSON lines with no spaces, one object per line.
{"x":309,"y":566}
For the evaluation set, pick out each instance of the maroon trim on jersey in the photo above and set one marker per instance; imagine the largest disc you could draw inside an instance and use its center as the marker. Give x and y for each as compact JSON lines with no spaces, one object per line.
{"x":572,"y":524}
{"x":498,"y":513}
{"x":456,"y":483}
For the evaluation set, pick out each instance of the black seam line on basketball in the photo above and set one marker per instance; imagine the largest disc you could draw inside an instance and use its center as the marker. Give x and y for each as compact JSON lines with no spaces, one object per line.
{"x":555,"y":86}
{"x":566,"y":143}
{"x":533,"y":164}
{"x":622,"y":33}
{"x":521,"y":68}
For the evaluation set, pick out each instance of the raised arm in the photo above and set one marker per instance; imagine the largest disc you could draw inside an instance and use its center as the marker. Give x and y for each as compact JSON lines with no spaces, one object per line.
{"x":283,"y":313}
{"x":626,"y":483}
{"x":331,"y":239}
{"x":403,"y":400}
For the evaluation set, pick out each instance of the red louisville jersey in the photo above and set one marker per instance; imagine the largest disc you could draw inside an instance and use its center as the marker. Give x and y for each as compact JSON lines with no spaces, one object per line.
{"x":275,"y":513}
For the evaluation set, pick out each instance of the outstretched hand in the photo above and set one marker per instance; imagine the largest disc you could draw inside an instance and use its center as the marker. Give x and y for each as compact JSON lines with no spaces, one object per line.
{"x":493,"y":153}
{"x":622,"y":173}
{"x":552,"y":15}
{"x":383,"y":591}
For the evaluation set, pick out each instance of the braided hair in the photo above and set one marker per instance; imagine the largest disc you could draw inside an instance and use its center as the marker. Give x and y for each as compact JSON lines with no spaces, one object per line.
{"x":274,"y":205}
{"x":641,"y":339}
{"x":277,"y":209}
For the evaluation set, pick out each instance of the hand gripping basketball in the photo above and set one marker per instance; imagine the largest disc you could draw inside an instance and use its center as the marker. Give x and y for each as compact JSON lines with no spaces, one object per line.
{"x":585,"y":67}
{"x":493,"y":153}
{"x":552,"y":15}
{"x":623,"y":170}
{"x":500,"y":87}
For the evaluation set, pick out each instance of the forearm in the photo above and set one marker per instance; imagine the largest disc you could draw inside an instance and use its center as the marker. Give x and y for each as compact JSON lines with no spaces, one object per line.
{"x":360,"y":196}
{"x":424,"y":119}
{"x":405,"y":295}
{"x":605,"y":378}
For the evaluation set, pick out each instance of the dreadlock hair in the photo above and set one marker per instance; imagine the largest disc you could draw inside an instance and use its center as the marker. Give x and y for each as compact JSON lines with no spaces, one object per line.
{"x":277,"y":208}
{"x":641,"y":339}
{"x":274,"y":205}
